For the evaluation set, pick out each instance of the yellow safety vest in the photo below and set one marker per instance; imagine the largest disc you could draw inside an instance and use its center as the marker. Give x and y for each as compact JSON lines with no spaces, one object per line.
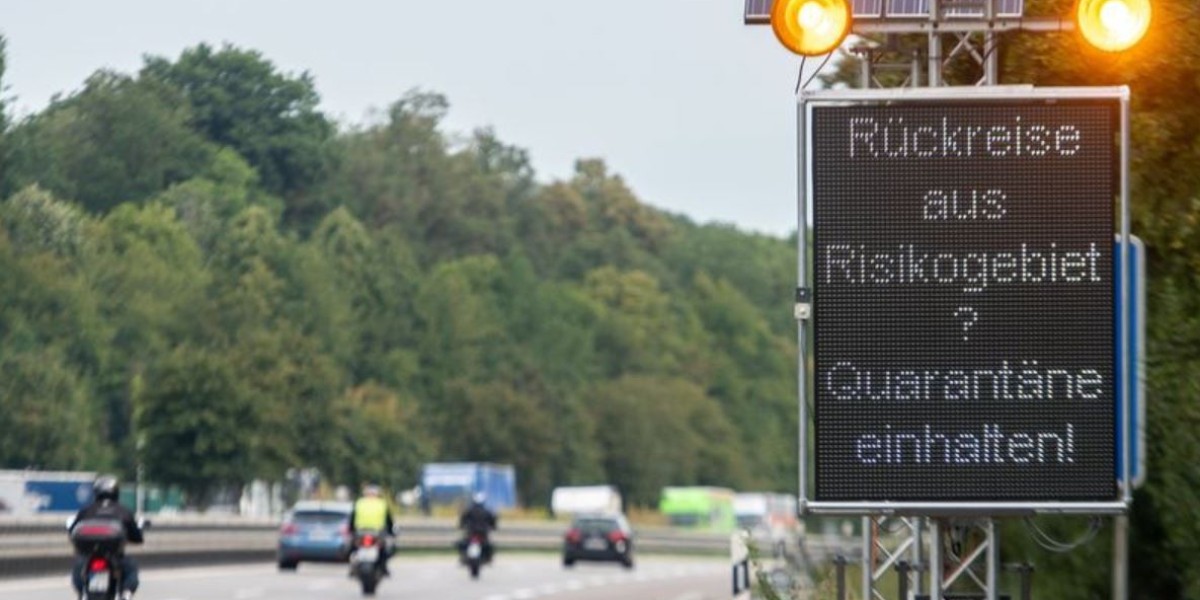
{"x":370,"y":514}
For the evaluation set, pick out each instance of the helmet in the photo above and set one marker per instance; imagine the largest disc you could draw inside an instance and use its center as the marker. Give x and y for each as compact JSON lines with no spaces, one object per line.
{"x":371,"y":490}
{"x":106,"y":487}
{"x":478,"y":498}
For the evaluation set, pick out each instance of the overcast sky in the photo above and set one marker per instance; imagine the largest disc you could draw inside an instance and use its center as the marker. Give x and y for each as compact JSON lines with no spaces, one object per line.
{"x":695,"y":110}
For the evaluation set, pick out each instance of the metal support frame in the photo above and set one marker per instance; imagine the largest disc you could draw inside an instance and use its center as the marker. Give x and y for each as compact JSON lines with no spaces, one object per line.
{"x":900,"y":550}
{"x":979,"y":565}
{"x":961,"y":561}
{"x":977,"y":38}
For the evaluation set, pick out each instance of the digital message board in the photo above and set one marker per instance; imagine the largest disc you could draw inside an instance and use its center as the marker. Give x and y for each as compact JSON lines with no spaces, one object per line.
{"x":963,"y":313}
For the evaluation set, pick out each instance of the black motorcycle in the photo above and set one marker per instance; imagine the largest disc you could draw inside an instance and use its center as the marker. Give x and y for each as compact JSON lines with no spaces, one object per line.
{"x":101,"y":542}
{"x":366,"y":562}
{"x":474,"y":553}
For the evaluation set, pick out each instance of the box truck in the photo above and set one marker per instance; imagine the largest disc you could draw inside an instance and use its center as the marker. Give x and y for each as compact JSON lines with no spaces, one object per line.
{"x":453,"y":484}
{"x":566,"y":501}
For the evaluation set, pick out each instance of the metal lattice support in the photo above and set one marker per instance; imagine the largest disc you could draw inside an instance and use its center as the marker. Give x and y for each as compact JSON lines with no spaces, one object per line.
{"x":892,"y":544}
{"x":964,"y":550}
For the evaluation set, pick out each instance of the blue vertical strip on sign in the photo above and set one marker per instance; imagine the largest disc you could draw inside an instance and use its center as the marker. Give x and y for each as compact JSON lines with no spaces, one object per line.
{"x":1131,"y":387}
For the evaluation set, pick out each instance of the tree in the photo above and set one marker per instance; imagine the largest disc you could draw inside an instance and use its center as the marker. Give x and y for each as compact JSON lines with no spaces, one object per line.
{"x":640,"y":330}
{"x":5,"y":150}
{"x":116,"y":140}
{"x":147,"y":275}
{"x":38,"y":222}
{"x":52,"y":343}
{"x":495,"y":422}
{"x":655,"y":431}
{"x":45,"y":413}
{"x":239,"y":99}
{"x":403,"y":173}
{"x":207,"y":202}
{"x":380,"y":438}
{"x":1162,"y":74}
{"x":202,"y":427}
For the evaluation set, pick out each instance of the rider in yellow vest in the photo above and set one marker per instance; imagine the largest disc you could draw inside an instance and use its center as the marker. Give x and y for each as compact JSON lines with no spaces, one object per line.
{"x":371,"y":513}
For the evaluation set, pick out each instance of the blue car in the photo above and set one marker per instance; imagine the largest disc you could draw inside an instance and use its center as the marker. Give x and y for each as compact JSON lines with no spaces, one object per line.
{"x":315,"y":532}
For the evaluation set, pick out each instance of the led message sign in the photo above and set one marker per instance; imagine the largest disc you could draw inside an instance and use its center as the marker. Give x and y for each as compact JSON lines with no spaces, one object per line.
{"x":963,"y":311}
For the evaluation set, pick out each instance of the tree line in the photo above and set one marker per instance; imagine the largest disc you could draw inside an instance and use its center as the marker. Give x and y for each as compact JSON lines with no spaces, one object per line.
{"x":206,"y":275}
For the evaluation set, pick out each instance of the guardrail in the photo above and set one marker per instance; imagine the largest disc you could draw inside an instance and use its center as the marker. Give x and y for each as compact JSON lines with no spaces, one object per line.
{"x":34,"y":546}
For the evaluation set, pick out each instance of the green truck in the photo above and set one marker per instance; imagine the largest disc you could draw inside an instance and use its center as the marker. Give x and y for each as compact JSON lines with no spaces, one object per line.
{"x":699,"y":507}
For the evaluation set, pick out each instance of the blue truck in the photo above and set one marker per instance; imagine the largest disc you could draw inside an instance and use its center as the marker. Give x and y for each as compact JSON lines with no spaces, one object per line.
{"x":453,"y":484}
{"x":28,"y":492}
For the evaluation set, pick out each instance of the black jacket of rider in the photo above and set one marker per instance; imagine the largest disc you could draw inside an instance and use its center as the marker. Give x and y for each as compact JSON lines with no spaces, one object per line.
{"x":109,"y":510}
{"x":477,"y":519}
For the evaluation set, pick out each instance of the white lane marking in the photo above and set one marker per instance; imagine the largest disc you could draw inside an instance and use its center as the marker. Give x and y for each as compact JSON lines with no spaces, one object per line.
{"x":524,"y":594}
{"x":496,"y":597}
{"x":549,"y":589}
{"x":574,"y":585}
{"x":321,"y":585}
{"x":247,"y":593}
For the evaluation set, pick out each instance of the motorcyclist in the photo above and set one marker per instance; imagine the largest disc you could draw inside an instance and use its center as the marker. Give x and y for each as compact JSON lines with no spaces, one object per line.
{"x":106,"y":494}
{"x":372,"y":513}
{"x":476,"y":519}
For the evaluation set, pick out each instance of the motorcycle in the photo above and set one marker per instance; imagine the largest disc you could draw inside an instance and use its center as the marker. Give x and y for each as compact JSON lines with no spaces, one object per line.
{"x":101,"y":542}
{"x":365,"y":563}
{"x":474,"y":554}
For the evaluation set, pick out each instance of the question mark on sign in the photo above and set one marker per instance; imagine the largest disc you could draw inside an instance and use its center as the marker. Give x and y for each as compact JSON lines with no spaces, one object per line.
{"x":968,"y":316}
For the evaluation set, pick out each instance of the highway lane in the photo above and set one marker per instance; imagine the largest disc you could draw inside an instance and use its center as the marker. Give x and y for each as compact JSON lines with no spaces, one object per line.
{"x":513,"y":577}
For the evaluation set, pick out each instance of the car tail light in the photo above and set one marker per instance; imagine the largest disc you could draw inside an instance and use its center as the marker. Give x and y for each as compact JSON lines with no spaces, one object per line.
{"x":574,"y":536}
{"x":616,"y":536}
{"x":288,"y":529}
{"x":368,"y":540}
{"x":97,"y":564}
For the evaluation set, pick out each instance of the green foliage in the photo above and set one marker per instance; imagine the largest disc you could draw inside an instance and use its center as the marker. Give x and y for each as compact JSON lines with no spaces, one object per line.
{"x":201,"y":426}
{"x":37,"y":222}
{"x":380,"y":438}
{"x":240,"y":100}
{"x":47,"y":419}
{"x":5,"y":150}
{"x":654,"y":432}
{"x":229,"y":301}
{"x":147,"y":276}
{"x":117,"y":140}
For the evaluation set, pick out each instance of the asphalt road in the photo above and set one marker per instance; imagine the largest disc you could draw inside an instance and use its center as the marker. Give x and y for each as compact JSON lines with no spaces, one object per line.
{"x":514,"y":577}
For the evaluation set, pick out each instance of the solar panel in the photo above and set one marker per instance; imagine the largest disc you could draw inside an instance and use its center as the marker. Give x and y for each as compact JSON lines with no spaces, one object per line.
{"x":955,"y":8}
{"x":866,"y":9}
{"x":758,"y":12}
{"x":908,"y":8}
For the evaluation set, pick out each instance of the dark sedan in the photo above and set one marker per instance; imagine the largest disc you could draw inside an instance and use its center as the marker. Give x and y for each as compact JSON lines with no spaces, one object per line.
{"x":315,"y":532}
{"x":599,"y":538}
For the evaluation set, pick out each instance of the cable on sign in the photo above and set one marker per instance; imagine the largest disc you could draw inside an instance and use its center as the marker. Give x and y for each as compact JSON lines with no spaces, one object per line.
{"x":1044,"y":539}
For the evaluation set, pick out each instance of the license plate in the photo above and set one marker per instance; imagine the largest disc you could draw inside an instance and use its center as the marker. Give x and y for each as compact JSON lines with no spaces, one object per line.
{"x":98,"y":582}
{"x":474,"y":550}
{"x":370,"y":554}
{"x":322,"y":536}
{"x":595,"y":544}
